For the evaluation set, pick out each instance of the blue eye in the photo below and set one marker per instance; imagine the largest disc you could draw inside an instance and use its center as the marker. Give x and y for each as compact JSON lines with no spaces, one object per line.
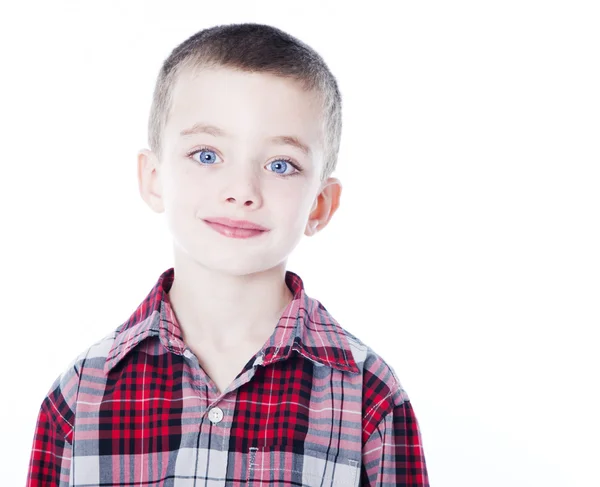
{"x":207,"y":157}
{"x":285,"y":164}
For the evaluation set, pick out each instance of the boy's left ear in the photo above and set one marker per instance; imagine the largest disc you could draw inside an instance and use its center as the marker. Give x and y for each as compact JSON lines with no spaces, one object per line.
{"x":326,"y":204}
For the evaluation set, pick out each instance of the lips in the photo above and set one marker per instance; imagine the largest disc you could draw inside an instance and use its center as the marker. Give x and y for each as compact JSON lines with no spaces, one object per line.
{"x":236,"y":228}
{"x":238,"y":224}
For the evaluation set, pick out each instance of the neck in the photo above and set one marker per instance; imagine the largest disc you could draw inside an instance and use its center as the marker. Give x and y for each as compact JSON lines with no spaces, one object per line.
{"x":222,"y":310}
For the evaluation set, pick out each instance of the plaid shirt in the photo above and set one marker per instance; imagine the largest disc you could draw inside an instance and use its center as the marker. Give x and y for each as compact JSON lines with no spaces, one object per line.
{"x":314,"y":407}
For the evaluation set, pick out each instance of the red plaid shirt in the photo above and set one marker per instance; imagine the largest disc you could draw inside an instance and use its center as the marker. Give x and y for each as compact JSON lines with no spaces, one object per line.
{"x":314,"y":407}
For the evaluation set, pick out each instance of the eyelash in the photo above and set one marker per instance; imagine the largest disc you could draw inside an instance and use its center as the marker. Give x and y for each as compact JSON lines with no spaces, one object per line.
{"x":283,"y":158}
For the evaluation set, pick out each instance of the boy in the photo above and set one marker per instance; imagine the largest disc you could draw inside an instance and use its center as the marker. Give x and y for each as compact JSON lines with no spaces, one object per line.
{"x":228,"y":373}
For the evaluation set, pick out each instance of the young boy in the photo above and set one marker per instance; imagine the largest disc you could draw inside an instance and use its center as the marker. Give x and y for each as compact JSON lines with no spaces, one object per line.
{"x":228,"y":373}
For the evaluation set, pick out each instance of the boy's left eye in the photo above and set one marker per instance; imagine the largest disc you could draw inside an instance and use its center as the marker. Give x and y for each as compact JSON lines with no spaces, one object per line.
{"x":285,"y":164}
{"x":207,"y":157}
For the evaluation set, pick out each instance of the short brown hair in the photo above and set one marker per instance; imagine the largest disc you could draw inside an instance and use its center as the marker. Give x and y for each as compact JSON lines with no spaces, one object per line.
{"x":252,"y":47}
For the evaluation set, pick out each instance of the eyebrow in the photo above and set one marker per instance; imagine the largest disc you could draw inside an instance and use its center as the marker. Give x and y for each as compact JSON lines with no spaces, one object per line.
{"x":292,"y":140}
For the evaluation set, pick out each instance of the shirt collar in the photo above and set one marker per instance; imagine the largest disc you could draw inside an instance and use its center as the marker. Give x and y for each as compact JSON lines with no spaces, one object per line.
{"x":305,"y":327}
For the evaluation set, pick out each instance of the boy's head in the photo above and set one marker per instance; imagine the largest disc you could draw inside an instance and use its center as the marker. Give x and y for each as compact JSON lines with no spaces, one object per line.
{"x":245,"y":124}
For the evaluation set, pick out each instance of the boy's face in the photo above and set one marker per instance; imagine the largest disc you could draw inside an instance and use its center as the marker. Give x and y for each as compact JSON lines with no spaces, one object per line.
{"x":241,"y":174}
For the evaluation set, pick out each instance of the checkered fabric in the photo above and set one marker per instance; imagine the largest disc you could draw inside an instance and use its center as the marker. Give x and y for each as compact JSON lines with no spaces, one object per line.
{"x":314,"y":407}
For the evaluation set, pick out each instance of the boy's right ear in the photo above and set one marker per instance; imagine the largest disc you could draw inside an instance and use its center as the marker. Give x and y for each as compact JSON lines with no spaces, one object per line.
{"x":149,"y":180}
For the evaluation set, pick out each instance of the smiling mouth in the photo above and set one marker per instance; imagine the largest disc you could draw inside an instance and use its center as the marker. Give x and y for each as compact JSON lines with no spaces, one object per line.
{"x":234,"y":232}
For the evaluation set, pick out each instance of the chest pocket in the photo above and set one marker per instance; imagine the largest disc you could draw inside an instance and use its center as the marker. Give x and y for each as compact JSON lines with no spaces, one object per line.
{"x":310,"y":468}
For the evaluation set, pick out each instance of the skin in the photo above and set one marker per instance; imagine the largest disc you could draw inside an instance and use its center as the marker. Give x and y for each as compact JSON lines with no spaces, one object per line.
{"x":228,"y":294}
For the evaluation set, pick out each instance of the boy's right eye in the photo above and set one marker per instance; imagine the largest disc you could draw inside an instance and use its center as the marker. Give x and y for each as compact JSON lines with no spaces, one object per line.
{"x":206,"y":156}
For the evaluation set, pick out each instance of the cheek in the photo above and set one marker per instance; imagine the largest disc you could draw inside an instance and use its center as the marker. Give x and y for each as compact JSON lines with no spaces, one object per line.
{"x":292,"y":211}
{"x":182,"y":200}
{"x":183,"y":186}
{"x":297,"y":217}
{"x":294,"y":198}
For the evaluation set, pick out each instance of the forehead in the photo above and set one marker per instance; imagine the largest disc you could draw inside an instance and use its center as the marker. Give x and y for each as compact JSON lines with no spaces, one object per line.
{"x":245,"y":105}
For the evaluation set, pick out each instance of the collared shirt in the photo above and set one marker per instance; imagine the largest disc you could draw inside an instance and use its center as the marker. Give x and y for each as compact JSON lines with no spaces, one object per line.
{"x":314,"y":407}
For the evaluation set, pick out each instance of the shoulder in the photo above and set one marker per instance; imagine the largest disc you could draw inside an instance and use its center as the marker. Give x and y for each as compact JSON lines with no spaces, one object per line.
{"x":382,"y":391}
{"x":373,"y":366}
{"x":88,"y":360}
{"x":381,"y":387}
{"x":60,"y":400}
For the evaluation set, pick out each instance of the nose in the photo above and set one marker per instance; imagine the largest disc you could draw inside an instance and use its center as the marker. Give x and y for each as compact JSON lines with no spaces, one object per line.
{"x":244,"y":190}
{"x":248,"y":202}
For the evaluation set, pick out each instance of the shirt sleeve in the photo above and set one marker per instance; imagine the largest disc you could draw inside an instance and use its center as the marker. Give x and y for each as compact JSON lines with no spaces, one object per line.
{"x":50,"y":459}
{"x":393,"y":454}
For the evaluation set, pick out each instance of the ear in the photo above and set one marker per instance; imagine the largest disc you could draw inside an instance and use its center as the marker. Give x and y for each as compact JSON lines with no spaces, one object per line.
{"x":326,"y":204}
{"x":149,"y":182}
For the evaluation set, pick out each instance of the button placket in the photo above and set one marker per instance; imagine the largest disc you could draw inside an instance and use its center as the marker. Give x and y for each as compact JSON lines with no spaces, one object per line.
{"x":215,"y":415}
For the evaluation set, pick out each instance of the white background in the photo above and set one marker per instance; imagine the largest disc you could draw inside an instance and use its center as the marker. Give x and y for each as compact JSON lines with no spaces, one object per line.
{"x":464,"y":252}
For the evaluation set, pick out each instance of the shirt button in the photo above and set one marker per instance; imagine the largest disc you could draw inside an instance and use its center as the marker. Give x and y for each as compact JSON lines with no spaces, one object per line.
{"x":215,"y":415}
